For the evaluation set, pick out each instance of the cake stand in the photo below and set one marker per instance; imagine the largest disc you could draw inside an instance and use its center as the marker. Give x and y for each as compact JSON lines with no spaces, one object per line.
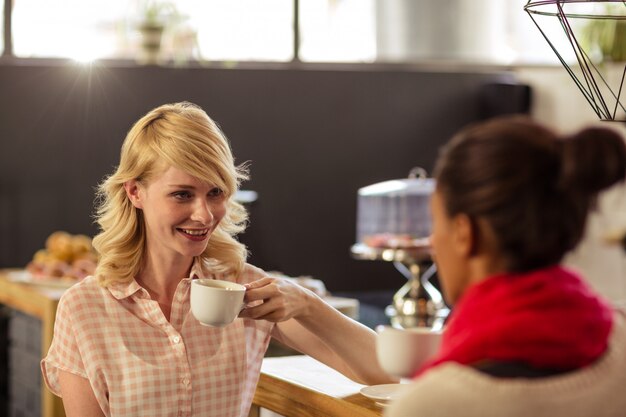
{"x":417,"y":303}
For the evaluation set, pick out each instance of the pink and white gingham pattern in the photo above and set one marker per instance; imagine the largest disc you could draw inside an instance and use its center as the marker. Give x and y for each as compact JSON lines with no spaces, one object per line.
{"x":139,"y":364}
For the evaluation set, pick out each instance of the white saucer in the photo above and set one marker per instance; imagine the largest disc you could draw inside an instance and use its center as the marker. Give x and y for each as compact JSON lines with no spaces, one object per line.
{"x":382,"y":393}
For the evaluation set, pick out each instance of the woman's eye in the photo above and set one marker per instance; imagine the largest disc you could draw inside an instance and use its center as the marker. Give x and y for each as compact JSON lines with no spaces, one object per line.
{"x":182,"y":195}
{"x":216,"y":192}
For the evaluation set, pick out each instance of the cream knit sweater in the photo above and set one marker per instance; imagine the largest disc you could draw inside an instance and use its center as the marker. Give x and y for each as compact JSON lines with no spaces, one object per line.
{"x":453,"y":390}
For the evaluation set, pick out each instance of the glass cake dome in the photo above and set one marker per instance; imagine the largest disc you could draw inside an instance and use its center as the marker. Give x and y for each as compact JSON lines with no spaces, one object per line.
{"x":395,"y":213}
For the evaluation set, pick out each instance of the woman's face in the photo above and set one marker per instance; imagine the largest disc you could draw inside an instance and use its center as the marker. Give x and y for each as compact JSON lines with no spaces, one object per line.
{"x":180,"y":213}
{"x":449,"y":252}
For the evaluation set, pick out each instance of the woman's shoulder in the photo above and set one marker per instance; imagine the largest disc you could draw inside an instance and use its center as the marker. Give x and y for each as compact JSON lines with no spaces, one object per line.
{"x":87,"y":291}
{"x":430,"y":394}
{"x":474,"y":394}
{"x":478,"y":394}
{"x":617,"y":339}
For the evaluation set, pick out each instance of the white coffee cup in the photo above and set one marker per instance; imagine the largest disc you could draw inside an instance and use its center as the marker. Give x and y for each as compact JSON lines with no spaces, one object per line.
{"x":401,"y":352}
{"x":216,"y":303}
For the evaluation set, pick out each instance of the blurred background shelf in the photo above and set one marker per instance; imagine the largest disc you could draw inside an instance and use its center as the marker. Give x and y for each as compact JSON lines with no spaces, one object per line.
{"x":27,"y":323}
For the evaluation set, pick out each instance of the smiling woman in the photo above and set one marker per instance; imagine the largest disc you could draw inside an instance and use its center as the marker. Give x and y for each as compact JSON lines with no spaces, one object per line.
{"x":126,"y":341}
{"x":177,"y":205}
{"x":177,"y":181}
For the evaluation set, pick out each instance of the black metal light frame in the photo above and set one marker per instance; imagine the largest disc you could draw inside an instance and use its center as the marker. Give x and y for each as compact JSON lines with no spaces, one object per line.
{"x":607,"y":106}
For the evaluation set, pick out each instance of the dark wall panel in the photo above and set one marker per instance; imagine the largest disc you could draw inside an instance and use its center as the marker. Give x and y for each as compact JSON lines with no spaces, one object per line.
{"x":313,"y":137}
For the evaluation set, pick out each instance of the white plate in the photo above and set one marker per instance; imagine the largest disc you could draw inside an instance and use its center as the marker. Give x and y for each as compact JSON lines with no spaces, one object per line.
{"x":382,"y":393}
{"x":25,"y":277}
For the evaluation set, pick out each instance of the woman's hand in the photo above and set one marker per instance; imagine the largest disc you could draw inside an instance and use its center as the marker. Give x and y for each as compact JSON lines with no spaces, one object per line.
{"x":309,"y":325}
{"x":275,"y":300}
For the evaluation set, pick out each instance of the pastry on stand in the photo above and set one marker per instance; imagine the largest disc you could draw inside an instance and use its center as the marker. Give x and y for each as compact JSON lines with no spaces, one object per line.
{"x":393,"y":225}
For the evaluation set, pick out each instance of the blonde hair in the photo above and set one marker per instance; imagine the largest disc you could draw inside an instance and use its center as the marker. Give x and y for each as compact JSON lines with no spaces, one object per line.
{"x":180,"y":135}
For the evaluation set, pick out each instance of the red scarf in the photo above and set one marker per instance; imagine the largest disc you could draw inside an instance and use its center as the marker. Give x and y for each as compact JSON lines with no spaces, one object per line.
{"x":547,"y":318}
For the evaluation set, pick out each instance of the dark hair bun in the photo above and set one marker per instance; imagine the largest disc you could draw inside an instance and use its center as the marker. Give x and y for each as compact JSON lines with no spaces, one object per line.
{"x":533,"y":187}
{"x":592,"y":160}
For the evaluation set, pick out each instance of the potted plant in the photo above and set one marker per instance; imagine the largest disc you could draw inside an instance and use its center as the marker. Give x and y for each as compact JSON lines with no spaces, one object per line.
{"x":155,"y":16}
{"x":604,"y":35}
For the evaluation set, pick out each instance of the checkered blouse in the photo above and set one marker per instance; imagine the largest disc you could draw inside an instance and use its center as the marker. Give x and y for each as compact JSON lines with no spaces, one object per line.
{"x":139,"y":364}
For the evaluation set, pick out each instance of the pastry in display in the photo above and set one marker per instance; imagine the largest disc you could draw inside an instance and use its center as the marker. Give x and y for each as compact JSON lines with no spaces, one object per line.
{"x":395,"y":214}
{"x":65,"y":257}
{"x":395,"y":241}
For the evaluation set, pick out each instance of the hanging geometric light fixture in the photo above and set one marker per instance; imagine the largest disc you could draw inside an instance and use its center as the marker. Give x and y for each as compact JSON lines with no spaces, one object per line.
{"x":592,"y":37}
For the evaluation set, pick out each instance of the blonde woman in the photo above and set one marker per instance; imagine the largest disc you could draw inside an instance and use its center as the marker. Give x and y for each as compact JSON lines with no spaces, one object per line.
{"x":125,"y":342}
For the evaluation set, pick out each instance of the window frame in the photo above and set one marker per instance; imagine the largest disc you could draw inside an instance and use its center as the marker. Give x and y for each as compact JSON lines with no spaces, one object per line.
{"x":8,"y":57}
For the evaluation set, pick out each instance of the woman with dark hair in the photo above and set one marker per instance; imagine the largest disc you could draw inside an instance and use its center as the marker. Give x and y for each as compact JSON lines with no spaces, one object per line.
{"x":527,"y":336}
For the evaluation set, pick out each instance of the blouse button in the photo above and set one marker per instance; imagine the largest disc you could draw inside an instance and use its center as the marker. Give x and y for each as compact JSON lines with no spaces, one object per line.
{"x":176,"y":339}
{"x":185,"y":381}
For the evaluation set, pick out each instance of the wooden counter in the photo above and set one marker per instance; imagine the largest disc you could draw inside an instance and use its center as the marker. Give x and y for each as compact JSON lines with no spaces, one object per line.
{"x":41,"y":303}
{"x":293,"y":386}
{"x":300,"y":386}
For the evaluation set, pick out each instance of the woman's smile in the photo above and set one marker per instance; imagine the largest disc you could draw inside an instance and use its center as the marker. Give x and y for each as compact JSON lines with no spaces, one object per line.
{"x":196,"y":235}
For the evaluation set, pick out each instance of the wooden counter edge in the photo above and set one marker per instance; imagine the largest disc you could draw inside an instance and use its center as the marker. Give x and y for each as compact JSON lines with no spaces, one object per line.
{"x":292,"y":400}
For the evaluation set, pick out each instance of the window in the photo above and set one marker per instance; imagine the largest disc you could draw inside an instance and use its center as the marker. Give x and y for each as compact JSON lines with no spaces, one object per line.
{"x":529,"y":44}
{"x":479,"y":31}
{"x":192,"y":29}
{"x":2,"y":27}
{"x":338,"y":30}
{"x":366,"y":31}
{"x":68,"y":28}
{"x":246,"y":30}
